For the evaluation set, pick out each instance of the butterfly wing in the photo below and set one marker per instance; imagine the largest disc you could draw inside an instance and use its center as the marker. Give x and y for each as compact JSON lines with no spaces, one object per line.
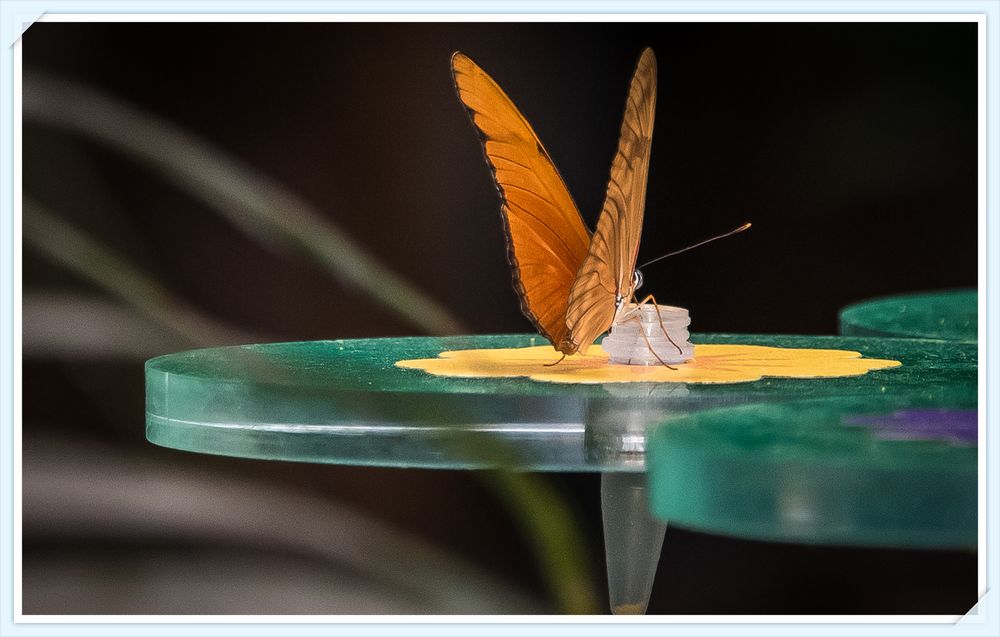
{"x":547,"y":240}
{"x":605,"y":277}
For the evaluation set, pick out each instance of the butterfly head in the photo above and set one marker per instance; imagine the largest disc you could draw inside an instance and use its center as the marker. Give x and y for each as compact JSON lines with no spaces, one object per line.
{"x":623,"y":297}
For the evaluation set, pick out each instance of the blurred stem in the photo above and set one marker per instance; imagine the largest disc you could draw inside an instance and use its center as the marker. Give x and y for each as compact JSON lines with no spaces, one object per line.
{"x":255,"y":203}
{"x":556,"y":541}
{"x":73,"y":249}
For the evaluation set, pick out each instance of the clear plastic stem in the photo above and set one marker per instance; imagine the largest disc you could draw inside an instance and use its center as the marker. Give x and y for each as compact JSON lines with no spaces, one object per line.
{"x":632,"y":541}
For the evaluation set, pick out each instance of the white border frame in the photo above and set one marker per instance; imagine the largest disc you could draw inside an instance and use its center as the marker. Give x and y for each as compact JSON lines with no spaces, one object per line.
{"x":15,"y":14}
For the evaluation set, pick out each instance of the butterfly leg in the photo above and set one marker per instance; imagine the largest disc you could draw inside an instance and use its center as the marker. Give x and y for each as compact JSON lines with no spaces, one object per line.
{"x":650,"y":297}
{"x":652,"y":351}
{"x":555,"y":363}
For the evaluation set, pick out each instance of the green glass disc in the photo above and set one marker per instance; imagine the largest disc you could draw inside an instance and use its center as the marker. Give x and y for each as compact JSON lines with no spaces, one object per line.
{"x":345,"y":402}
{"x":897,"y":472}
{"x":952,"y":315}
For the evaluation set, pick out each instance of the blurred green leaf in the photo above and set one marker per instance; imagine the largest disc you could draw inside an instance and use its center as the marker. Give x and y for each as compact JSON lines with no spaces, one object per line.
{"x":80,"y":327}
{"x":260,"y":206}
{"x":63,"y":243}
{"x":550,"y":526}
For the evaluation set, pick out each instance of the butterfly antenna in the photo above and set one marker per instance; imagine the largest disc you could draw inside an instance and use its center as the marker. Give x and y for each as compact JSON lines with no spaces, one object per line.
{"x":745,"y":226}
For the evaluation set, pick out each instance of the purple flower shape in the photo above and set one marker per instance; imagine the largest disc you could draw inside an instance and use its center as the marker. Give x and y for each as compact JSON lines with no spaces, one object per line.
{"x":957,"y":426}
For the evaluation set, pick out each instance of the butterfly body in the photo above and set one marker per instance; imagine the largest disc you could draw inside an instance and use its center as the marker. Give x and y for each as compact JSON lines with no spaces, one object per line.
{"x":573,"y":286}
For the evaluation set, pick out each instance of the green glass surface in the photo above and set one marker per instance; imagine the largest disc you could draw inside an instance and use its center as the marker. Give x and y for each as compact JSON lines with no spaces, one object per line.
{"x":950,"y":315}
{"x":818,"y":472}
{"x":345,"y":402}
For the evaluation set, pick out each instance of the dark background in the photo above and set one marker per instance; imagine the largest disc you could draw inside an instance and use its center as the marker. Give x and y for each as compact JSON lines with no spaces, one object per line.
{"x":851,"y":147}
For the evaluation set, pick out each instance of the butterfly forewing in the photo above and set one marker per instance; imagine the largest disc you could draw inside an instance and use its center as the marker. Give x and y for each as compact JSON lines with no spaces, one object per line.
{"x":605,"y":275}
{"x":546,"y":237}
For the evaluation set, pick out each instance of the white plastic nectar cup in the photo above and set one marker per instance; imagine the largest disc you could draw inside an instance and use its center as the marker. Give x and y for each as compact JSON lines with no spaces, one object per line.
{"x":638,"y":337}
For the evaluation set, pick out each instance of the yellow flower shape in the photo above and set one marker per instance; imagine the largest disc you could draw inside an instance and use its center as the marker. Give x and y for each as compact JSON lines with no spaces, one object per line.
{"x":711,"y":364}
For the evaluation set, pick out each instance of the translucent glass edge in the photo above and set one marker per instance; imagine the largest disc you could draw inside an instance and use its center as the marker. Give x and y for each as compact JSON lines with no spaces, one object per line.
{"x":162,"y":432}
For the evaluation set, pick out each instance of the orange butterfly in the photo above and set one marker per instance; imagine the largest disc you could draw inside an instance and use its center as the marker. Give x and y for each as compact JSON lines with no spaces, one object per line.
{"x":573,"y":287}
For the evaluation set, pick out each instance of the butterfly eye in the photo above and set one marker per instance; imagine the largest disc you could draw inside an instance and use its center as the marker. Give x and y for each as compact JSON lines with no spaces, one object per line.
{"x":636,"y":280}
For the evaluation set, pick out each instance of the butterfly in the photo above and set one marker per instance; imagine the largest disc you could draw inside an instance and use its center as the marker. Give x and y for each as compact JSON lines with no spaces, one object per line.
{"x":573,"y":286}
